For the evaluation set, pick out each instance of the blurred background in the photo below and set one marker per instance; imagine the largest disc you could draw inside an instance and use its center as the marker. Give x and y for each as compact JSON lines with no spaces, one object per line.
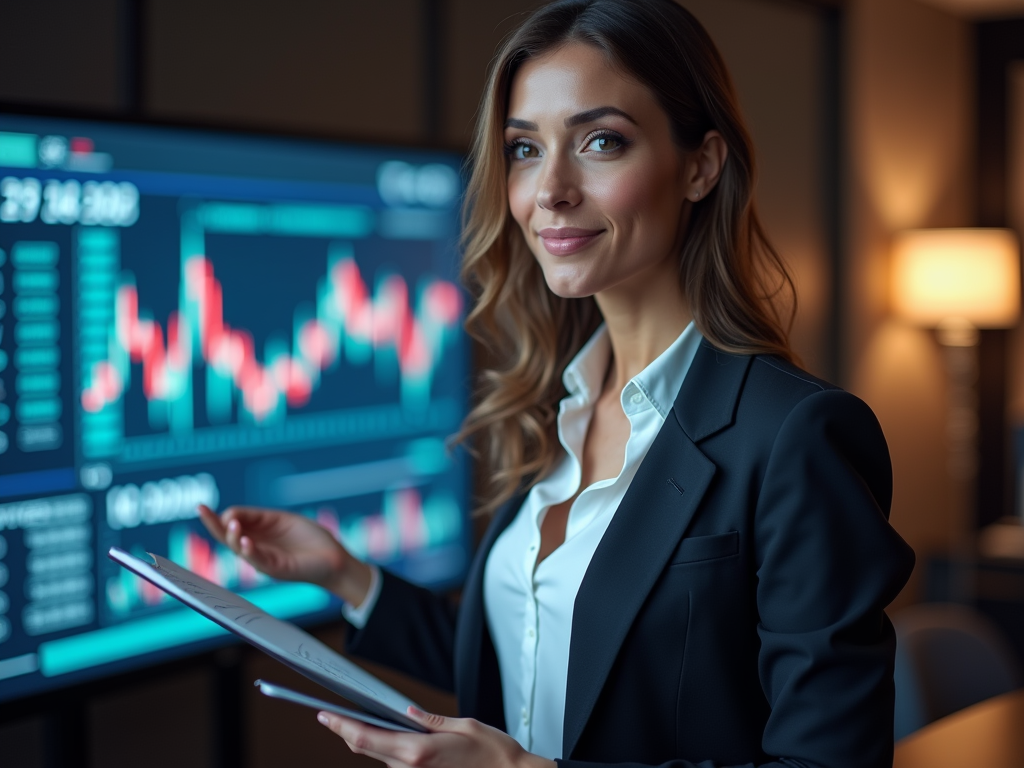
{"x":873,"y":119}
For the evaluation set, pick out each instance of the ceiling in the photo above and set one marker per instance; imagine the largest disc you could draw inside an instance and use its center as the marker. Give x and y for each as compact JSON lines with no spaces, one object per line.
{"x":981,"y":9}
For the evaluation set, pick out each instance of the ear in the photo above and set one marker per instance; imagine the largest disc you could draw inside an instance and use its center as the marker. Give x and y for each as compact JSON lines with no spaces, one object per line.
{"x":705,"y":165}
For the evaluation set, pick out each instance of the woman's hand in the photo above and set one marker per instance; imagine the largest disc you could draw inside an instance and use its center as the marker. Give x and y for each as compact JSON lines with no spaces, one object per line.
{"x":290,"y":547}
{"x":452,"y":743}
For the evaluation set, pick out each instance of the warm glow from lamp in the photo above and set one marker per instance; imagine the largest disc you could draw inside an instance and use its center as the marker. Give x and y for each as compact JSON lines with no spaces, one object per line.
{"x":957,"y":275}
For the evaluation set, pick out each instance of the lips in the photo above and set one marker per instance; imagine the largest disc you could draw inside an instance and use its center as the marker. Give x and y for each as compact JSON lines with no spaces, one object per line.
{"x":561,"y":241}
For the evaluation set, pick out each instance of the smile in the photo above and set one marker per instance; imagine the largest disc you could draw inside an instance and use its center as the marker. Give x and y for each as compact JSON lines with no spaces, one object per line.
{"x":561,"y":241}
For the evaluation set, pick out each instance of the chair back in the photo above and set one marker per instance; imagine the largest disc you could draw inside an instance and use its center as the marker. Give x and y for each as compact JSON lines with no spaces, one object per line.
{"x":948,"y":657}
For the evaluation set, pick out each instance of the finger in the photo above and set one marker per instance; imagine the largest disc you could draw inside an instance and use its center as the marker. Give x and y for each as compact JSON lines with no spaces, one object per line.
{"x":436,"y":723}
{"x":265,"y":557}
{"x":366,"y":739}
{"x":233,"y":535}
{"x":255,"y":519}
{"x":212,"y":522}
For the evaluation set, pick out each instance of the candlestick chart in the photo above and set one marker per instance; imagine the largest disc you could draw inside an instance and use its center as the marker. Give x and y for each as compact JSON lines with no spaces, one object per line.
{"x":403,"y":336}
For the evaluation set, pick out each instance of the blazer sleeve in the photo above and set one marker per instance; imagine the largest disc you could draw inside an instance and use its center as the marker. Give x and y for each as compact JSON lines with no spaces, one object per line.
{"x":412,"y":630}
{"x":828,"y":563}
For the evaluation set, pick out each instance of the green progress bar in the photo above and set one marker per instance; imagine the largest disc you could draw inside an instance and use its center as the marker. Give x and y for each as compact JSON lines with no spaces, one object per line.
{"x":37,"y":357}
{"x":37,"y":332}
{"x":177,"y":627}
{"x":97,"y":239}
{"x":33,"y":255}
{"x":41,"y":383}
{"x":35,"y":306}
{"x":38,"y":410}
{"x":45,"y":280}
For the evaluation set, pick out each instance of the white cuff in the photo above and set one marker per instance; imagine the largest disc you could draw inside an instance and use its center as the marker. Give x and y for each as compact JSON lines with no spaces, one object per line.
{"x":358,"y":615}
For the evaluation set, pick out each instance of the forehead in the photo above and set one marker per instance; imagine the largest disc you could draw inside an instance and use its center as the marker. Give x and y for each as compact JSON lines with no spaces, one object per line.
{"x":574,"y":78}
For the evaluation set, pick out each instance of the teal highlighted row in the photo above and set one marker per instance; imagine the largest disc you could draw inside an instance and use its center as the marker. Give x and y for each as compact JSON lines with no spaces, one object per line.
{"x":35,"y":306}
{"x":177,"y":627}
{"x":96,"y":313}
{"x":296,"y":220}
{"x":102,"y":445}
{"x":38,"y":410}
{"x":36,"y":357}
{"x":18,"y":150}
{"x":93,"y":352}
{"x":31,"y":255}
{"x":97,"y":239}
{"x":106,"y":417}
{"x":96,"y":281}
{"x":89,"y":260}
{"x":91,"y":332}
{"x":43,"y":281}
{"x":37,"y":332}
{"x":47,"y":383}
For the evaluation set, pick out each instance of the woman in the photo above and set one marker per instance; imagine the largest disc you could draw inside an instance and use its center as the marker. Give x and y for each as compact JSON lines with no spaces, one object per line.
{"x":689,"y":555}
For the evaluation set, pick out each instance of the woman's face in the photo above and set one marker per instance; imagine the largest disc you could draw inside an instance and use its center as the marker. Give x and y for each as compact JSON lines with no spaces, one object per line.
{"x":595,"y":182}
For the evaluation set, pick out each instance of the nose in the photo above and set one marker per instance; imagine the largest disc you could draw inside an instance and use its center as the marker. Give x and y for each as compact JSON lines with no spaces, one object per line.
{"x":558,"y":186}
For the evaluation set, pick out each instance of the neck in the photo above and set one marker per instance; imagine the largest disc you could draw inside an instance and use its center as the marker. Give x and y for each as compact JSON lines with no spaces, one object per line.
{"x":643,"y":318}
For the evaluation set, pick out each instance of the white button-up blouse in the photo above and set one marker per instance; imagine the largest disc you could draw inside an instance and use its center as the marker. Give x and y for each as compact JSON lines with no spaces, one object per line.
{"x":529,"y":606}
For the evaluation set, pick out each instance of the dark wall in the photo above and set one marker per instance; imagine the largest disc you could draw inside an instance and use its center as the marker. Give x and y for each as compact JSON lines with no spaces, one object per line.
{"x":62,"y":53}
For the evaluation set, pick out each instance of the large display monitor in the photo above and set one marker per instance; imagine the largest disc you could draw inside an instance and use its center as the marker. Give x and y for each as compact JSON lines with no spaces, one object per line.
{"x":222,"y":318}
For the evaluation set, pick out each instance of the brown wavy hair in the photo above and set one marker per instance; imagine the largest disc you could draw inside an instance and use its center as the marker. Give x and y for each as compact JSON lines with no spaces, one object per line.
{"x":740,"y":292}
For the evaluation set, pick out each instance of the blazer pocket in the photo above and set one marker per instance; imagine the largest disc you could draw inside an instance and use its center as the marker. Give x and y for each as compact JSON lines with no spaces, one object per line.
{"x":693,"y":549}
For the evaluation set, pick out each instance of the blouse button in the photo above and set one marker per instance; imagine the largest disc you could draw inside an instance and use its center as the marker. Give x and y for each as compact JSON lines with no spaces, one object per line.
{"x":530,"y":633}
{"x":637,"y":398}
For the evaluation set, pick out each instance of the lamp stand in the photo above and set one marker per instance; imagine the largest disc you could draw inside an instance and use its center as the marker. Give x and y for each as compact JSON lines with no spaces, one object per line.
{"x":959,"y":340}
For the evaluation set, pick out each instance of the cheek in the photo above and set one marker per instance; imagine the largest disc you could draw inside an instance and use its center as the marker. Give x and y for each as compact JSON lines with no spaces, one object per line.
{"x":643,"y":196}
{"x":521,"y":199}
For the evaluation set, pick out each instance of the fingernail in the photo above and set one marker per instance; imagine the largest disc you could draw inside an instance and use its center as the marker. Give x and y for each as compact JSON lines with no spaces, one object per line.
{"x":323,"y":719}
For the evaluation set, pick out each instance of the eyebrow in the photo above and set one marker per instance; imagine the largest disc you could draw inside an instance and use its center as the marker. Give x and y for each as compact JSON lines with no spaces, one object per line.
{"x":571,"y":122}
{"x":523,"y":125}
{"x":595,"y":114}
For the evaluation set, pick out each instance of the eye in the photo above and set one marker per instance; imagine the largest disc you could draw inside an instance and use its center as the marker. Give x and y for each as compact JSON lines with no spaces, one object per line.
{"x":520,"y":149}
{"x":604,"y":143}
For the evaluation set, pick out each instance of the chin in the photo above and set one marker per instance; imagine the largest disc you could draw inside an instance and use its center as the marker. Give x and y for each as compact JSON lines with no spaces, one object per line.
{"x":570,"y":289}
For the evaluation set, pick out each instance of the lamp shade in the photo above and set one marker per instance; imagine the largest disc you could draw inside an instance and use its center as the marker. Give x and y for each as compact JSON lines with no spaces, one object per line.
{"x":970,"y":275}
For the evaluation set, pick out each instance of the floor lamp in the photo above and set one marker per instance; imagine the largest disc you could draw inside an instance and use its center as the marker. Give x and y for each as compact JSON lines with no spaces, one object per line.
{"x":958,"y":281}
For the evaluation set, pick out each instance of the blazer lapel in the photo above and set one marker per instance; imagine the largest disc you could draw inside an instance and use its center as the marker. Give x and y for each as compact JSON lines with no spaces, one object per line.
{"x":707,"y":401}
{"x":653,"y":516}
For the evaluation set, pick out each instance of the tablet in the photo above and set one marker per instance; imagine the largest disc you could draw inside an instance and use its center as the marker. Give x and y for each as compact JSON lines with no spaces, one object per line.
{"x":278,"y":639}
{"x":280,"y":692}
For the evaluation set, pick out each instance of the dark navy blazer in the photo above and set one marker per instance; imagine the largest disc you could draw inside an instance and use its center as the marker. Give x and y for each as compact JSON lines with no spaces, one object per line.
{"x":733,"y":612}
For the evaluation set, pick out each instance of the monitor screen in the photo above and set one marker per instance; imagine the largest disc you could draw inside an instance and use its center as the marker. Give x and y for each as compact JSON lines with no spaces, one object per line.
{"x":221,"y":318}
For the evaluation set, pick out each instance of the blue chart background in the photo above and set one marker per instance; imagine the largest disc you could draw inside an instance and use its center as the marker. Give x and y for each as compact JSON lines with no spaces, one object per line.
{"x":397,"y":453}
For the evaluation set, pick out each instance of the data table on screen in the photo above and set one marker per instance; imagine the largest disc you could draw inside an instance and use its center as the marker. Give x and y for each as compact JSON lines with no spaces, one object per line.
{"x":192,"y":317}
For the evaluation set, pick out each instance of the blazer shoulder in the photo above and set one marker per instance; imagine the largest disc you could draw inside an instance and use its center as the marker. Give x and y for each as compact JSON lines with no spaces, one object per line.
{"x":782,"y":373}
{"x":777,"y":391}
{"x":722,"y":387}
